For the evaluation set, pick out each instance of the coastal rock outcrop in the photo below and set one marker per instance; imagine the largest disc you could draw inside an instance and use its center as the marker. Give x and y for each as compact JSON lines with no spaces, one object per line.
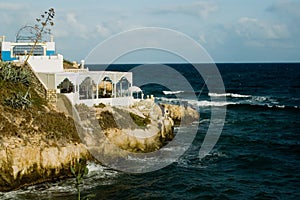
{"x":182,"y":115}
{"x":40,"y":145}
{"x":144,"y":127}
{"x":118,"y":131}
{"x":30,"y":164}
{"x":37,"y":144}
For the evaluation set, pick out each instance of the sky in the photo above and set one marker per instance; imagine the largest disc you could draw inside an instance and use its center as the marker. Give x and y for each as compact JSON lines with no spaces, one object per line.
{"x":229,"y":30}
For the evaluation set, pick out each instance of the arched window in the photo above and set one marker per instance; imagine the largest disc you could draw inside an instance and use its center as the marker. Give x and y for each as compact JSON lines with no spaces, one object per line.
{"x":66,"y":86}
{"x":105,"y":88}
{"x":87,"y":89}
{"x":122,"y":88}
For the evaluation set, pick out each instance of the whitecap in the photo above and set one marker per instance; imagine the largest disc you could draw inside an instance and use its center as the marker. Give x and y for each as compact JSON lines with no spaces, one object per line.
{"x":214,"y":103}
{"x":196,"y":103}
{"x":260,"y":98}
{"x":229,"y":95}
{"x":172,"y":92}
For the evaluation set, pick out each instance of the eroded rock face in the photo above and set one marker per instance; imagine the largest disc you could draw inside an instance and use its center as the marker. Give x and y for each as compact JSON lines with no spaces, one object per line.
{"x":182,"y":115}
{"x":144,"y":127}
{"x":141,"y":128}
{"x":136,"y":141}
{"x":40,"y":155}
{"x":26,"y":165}
{"x":36,"y":145}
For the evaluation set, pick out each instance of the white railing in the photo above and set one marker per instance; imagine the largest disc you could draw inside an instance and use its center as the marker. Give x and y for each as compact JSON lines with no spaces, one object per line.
{"x":120,"y":101}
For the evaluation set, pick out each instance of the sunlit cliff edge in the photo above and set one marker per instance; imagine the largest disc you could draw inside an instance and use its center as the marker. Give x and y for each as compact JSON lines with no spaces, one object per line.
{"x":39,"y":141}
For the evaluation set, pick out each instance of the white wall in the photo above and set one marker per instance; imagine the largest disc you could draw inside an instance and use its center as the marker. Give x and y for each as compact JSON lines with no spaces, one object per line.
{"x":6,"y":46}
{"x":123,"y":101}
{"x":50,"y":64}
{"x":50,"y":46}
{"x":48,"y":79}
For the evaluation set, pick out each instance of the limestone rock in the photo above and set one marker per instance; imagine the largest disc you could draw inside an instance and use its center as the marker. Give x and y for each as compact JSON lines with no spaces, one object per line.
{"x":27,"y":165}
{"x":182,"y":115}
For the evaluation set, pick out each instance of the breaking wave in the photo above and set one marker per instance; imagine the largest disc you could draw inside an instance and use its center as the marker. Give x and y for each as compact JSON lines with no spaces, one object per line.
{"x":98,"y":174}
{"x":229,"y":95}
{"x":236,"y":100}
{"x":172,"y":92}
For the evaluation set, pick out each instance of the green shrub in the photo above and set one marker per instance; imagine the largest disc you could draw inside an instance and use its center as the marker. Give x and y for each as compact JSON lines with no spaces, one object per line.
{"x":19,"y":101}
{"x":79,"y":170}
{"x":140,"y":121}
{"x":14,"y":74}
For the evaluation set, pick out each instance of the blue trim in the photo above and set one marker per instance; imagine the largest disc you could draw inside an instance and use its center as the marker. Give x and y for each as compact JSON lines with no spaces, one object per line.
{"x":5,"y":55}
{"x":50,"y":52}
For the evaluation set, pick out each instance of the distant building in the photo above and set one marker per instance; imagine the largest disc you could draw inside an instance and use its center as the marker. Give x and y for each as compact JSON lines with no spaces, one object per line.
{"x":10,"y":51}
{"x":79,"y":85}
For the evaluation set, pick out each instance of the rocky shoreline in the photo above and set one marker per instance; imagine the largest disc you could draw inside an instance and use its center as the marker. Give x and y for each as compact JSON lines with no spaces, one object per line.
{"x":114,"y":132}
{"x":37,"y":153}
{"x":28,"y":165}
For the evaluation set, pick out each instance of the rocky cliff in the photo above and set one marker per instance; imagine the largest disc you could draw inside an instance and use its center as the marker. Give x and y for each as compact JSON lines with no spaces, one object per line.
{"x":36,"y":146}
{"x":39,"y":143}
{"x":113,"y":132}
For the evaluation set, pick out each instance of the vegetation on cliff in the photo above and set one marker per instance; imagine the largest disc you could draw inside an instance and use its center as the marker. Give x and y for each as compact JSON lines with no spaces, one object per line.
{"x":36,"y":141}
{"x":19,"y":118}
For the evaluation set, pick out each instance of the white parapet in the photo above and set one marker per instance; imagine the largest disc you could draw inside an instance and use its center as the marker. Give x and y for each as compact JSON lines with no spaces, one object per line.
{"x":122,"y":101}
{"x":47,"y":64}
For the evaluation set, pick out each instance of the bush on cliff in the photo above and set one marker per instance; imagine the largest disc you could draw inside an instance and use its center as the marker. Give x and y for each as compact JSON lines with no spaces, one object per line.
{"x":13,"y":74}
{"x":27,"y":122}
{"x":24,"y":112}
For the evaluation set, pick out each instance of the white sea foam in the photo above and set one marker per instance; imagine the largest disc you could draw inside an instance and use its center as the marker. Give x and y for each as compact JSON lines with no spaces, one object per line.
{"x":229,"y":95}
{"x":214,"y":103}
{"x":172,"y":92}
{"x":204,"y":120}
{"x":255,"y":100}
{"x":206,"y":103}
{"x":260,"y":98}
{"x":93,"y":167}
{"x":203,"y":103}
{"x":99,"y":171}
{"x":98,"y":174}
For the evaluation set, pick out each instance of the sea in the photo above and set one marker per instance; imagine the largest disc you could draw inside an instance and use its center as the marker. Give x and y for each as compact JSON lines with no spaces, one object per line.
{"x":256,"y":156}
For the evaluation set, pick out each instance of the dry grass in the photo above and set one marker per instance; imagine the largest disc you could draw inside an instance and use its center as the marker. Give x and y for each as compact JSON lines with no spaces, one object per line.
{"x":36,"y":119}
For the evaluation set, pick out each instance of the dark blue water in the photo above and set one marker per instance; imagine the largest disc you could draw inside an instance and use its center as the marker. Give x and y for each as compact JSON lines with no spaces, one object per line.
{"x":256,"y":157}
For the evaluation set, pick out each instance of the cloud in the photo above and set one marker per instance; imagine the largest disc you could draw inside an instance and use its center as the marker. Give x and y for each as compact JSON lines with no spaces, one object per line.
{"x":112,"y":27}
{"x":103,"y":30}
{"x":13,"y":17}
{"x":200,"y":9}
{"x":287,"y":12}
{"x":10,"y":6}
{"x":202,"y":38}
{"x":71,"y":18}
{"x":286,"y":8}
{"x":69,"y":25}
{"x":255,"y":29}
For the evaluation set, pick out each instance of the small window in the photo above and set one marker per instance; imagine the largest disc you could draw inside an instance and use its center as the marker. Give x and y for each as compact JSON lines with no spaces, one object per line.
{"x":21,"y":50}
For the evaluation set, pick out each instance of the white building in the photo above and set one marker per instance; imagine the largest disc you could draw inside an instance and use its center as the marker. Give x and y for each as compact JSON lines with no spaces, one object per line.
{"x":11,"y":51}
{"x":79,"y":85}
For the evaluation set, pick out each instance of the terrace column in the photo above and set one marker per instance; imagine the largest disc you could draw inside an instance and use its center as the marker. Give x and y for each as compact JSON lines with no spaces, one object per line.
{"x":97,"y":91}
{"x":115,"y":86}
